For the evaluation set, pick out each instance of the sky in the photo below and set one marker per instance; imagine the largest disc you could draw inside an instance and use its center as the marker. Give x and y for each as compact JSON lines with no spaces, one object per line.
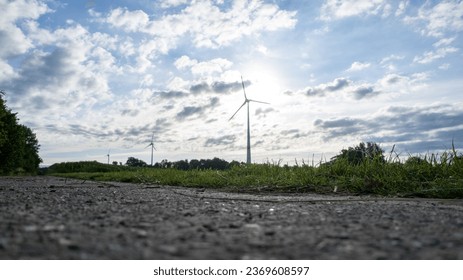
{"x":98,"y":77}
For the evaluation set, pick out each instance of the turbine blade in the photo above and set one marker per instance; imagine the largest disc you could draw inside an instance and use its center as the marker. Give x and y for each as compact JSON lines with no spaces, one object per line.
{"x":154,"y":148}
{"x":258,"y":101}
{"x":237,"y":110}
{"x":244,"y":90}
{"x":149,"y":145}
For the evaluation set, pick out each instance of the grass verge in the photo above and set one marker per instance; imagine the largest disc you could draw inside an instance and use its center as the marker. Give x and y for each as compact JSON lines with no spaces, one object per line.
{"x":432,"y":176}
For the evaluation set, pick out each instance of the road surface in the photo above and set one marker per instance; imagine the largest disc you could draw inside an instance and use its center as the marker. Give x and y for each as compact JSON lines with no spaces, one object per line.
{"x":46,"y":217}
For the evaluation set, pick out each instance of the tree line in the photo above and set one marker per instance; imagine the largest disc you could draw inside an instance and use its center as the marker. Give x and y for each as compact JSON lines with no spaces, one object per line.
{"x":202,"y":164}
{"x":19,"y":147}
{"x":352,"y":155}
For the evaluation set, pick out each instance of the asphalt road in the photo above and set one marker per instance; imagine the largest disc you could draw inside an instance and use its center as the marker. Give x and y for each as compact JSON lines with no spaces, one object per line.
{"x":53,"y":218}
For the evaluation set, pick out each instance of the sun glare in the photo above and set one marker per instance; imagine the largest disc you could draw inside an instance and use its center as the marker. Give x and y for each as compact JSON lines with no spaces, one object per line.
{"x":266,"y":84}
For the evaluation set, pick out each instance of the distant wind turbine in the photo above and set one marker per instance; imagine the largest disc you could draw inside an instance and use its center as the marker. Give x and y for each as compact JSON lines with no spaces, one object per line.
{"x":246,"y":102}
{"x":109,"y":151}
{"x":152,"y":148}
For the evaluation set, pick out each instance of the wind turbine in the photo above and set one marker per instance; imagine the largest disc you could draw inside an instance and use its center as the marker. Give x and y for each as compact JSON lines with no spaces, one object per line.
{"x":246,"y":102}
{"x":152,"y":148}
{"x":109,"y":151}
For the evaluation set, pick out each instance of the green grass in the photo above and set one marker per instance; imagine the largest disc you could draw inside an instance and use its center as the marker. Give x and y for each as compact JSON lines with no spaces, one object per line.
{"x":439,"y":176}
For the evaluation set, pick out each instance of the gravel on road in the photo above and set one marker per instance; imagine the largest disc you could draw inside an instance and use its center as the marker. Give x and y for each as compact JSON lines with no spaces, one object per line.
{"x":44,"y":217}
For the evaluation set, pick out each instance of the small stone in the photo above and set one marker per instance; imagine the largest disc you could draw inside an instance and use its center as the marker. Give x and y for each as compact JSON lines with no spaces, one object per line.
{"x":31,"y":228}
{"x":253,"y":227}
{"x":170,"y":249}
{"x":50,"y":227}
{"x":68,"y":243}
{"x":141,"y":233}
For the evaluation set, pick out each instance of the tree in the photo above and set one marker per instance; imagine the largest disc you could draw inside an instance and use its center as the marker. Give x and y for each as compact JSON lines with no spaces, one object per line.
{"x":19,"y":148}
{"x":181,"y":165}
{"x":358,"y":154}
{"x":31,"y":159}
{"x":135,"y":162}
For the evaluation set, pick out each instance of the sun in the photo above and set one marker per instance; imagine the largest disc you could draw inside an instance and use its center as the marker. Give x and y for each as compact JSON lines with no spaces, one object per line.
{"x":266,"y":83}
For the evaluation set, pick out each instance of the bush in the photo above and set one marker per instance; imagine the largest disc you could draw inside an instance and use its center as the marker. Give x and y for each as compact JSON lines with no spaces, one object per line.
{"x":360,"y":153}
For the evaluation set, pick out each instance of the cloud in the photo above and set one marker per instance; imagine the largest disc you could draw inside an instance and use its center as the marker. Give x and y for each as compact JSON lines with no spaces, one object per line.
{"x":387,"y":62}
{"x":216,"y":87}
{"x":72,"y":74}
{"x":444,"y":17}
{"x":129,"y":21}
{"x":170,"y":94}
{"x":203,"y":68}
{"x":400,"y":125}
{"x":430,"y":56}
{"x":343,"y":85}
{"x":173,"y":3}
{"x":388,"y":84}
{"x":364,"y":92}
{"x":132,"y":133}
{"x":14,"y":41}
{"x":338,"y":9}
{"x":190,"y":111}
{"x":293,"y":133}
{"x":220,"y":141}
{"x":7,"y":72}
{"x":206,"y":23}
{"x":402,"y":7}
{"x":184,"y":62}
{"x":341,"y":127}
{"x":358,"y":66}
{"x":442,"y":47}
{"x":444,"y":42}
{"x":322,"y":89}
{"x":263,"y":112}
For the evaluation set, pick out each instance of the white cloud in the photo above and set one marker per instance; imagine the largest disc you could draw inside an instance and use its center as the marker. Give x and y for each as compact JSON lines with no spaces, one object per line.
{"x":129,"y":21}
{"x":444,"y":66}
{"x":208,"y":25}
{"x":67,"y":69}
{"x":217,"y":65}
{"x":387,"y":62}
{"x":444,"y":42}
{"x":402,"y":7}
{"x":203,"y":68}
{"x":338,"y":9}
{"x":14,"y":41}
{"x":177,"y":84}
{"x":393,"y":83}
{"x":445,"y":16}
{"x":358,"y":66}
{"x":21,"y":9}
{"x":430,"y":56}
{"x":185,"y":62}
{"x":173,"y":3}
{"x":390,"y":58}
{"x":6,"y":72}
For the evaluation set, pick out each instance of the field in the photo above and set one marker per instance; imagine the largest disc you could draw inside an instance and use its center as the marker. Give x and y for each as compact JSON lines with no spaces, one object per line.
{"x":433,"y":175}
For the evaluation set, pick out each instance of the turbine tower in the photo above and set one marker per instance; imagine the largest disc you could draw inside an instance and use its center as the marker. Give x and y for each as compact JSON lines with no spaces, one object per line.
{"x":152,"y":148}
{"x":246,"y":102}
